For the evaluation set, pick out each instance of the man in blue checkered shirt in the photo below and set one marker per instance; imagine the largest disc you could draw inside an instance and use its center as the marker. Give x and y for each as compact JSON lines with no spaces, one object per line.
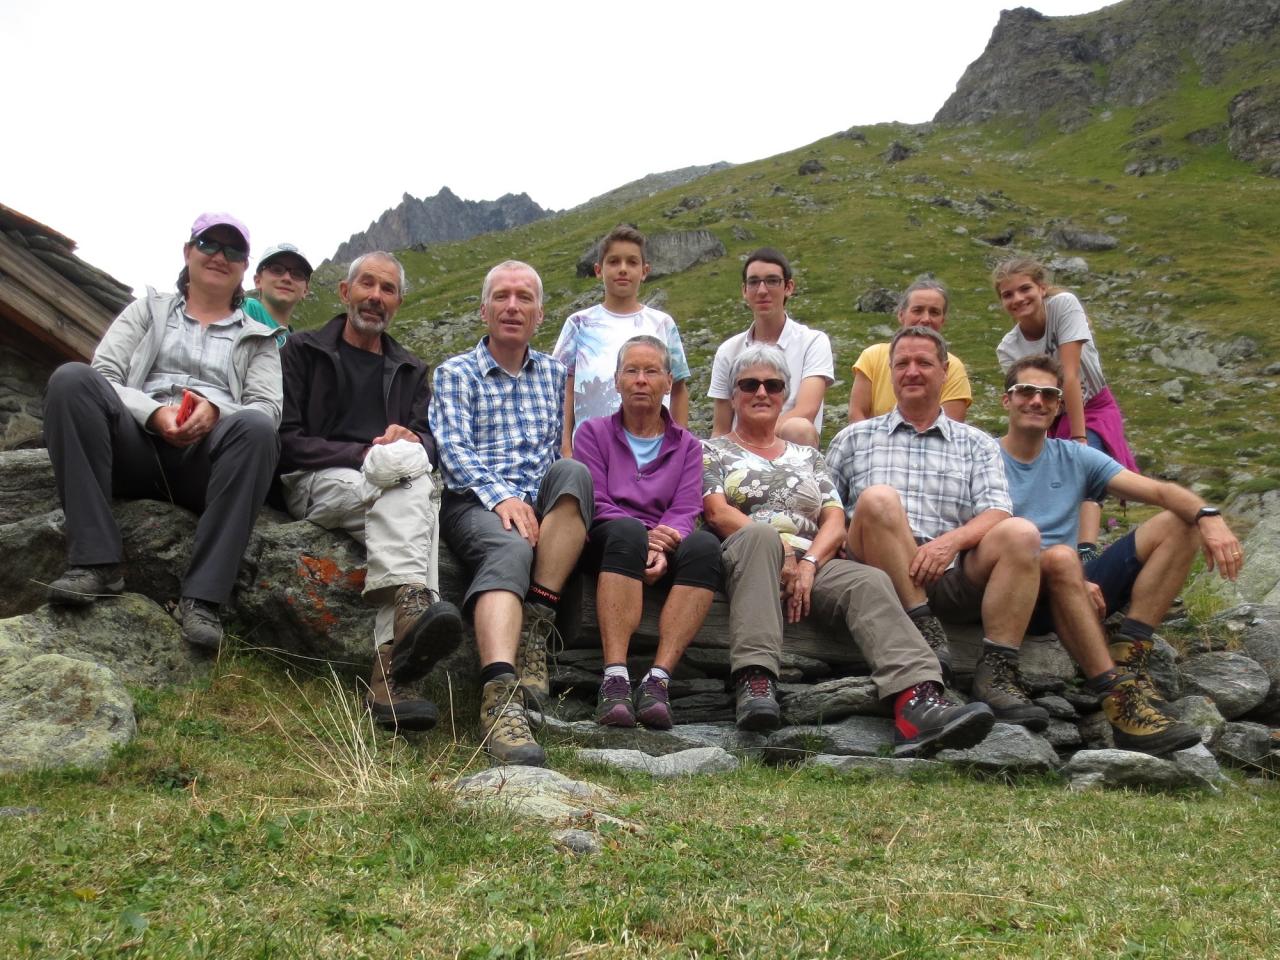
{"x":928,"y":504}
{"x":512,"y":511}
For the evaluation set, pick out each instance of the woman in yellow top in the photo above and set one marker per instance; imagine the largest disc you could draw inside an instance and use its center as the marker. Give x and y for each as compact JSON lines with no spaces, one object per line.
{"x":925,"y":302}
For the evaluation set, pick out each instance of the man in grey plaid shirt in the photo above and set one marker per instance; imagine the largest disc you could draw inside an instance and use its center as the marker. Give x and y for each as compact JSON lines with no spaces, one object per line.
{"x":513,"y":512}
{"x":928,"y":505}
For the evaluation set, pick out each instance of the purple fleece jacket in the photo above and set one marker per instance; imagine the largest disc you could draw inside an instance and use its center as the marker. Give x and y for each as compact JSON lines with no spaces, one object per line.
{"x":669,"y":489}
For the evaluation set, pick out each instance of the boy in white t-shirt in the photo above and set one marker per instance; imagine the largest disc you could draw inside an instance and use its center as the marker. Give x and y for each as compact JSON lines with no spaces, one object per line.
{"x":590,"y":339}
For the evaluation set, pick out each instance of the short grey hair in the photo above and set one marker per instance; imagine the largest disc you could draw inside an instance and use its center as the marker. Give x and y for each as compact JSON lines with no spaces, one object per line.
{"x":353,"y":271}
{"x":926,"y":333}
{"x":761,"y":355}
{"x":504,"y":266}
{"x":645,"y":340}
{"x":925,"y":283}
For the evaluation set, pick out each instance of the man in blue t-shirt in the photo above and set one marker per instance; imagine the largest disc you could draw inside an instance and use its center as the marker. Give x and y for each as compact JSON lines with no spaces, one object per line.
{"x":1144,"y":570}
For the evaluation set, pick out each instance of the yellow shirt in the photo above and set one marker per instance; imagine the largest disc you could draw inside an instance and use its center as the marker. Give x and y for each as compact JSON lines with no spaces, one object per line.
{"x":874,"y":365}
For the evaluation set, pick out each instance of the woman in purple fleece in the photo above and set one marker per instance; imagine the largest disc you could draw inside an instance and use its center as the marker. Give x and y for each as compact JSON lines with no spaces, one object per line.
{"x":647,"y":472}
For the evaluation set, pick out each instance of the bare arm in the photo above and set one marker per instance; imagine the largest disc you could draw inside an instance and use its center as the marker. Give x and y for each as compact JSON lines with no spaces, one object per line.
{"x":808,"y":399}
{"x":955,"y":409}
{"x":680,"y":402}
{"x":722,"y":419}
{"x":721,"y":517}
{"x":860,"y":398}
{"x":566,"y":439}
{"x":1072,"y":389}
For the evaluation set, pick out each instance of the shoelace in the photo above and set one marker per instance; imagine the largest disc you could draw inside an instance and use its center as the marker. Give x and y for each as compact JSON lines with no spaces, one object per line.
{"x":616,"y":688}
{"x":417,"y":600}
{"x":759,"y":684}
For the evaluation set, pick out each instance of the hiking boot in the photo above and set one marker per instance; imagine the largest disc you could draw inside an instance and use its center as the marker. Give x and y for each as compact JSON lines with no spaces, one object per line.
{"x":537,"y":633}
{"x":201,"y":626}
{"x":757,"y":700}
{"x":653,"y":704}
{"x":389,"y":704}
{"x":998,"y":684}
{"x":1133,"y":655}
{"x":80,"y":586}
{"x":1139,"y":724}
{"x":505,"y":726}
{"x":613,"y":704}
{"x":927,"y":721}
{"x":935,"y":636}
{"x":426,"y":629}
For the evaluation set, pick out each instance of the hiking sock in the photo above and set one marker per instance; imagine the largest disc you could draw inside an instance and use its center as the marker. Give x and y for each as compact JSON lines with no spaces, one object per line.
{"x":617,"y":670}
{"x":543,"y":596}
{"x":1103,"y":682}
{"x":920,"y":612}
{"x":657,"y":673}
{"x":1136,"y":629}
{"x":495,"y":670}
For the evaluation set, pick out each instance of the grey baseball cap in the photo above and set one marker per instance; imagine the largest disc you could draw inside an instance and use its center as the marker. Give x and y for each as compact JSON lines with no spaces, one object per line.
{"x":283,"y":248}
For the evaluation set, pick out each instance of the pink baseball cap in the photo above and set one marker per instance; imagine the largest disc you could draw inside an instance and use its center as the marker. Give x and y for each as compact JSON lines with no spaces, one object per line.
{"x":207,"y":220}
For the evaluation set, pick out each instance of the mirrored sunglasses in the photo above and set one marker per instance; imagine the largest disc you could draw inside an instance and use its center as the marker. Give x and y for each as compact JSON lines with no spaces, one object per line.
{"x":1025,"y":391}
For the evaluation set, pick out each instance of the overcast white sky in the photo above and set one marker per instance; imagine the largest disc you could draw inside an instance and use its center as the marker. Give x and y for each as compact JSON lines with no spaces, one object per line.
{"x":124,"y":120}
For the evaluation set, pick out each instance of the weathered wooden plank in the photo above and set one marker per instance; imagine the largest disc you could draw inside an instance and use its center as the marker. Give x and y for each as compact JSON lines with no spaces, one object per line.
{"x":81,"y":311}
{"x":37,"y":318}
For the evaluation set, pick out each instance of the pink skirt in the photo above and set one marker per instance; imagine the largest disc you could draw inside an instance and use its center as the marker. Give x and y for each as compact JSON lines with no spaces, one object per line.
{"x":1102,"y":415}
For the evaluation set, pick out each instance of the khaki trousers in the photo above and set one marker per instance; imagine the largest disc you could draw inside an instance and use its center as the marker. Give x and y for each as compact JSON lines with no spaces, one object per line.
{"x":856,"y":602}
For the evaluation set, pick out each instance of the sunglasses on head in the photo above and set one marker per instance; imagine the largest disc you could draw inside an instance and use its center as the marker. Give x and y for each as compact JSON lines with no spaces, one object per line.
{"x":211,"y":248}
{"x":279,"y":270}
{"x":771,"y":385}
{"x":1026,"y":391}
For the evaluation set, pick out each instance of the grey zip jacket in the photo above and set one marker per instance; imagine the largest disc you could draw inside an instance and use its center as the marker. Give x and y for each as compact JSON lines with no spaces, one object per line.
{"x":132,"y":343}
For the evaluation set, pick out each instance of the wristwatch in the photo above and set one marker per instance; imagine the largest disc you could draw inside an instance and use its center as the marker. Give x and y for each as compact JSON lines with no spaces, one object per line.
{"x":810,"y":558}
{"x":1207,"y":512}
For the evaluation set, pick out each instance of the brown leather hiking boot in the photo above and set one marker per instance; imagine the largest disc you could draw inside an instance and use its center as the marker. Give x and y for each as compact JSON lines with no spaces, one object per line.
{"x":536,"y":635}
{"x":505,"y":726}
{"x":390,"y":705}
{"x":1133,"y":655}
{"x":998,"y":683}
{"x":1138,"y":723}
{"x":426,"y":629}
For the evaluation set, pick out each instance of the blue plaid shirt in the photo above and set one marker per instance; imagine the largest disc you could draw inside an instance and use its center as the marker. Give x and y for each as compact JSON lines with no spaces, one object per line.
{"x":497,"y":434}
{"x":946,"y":474}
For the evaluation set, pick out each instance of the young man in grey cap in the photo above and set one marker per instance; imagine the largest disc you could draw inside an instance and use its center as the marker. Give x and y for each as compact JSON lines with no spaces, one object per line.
{"x":279,"y":285}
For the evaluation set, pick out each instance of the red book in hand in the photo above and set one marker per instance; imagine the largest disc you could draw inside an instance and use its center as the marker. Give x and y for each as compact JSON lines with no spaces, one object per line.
{"x":188,"y":406}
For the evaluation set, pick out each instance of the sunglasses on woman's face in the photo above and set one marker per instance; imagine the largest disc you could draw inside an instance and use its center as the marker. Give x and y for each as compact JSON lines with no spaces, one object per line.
{"x":752,"y":384}
{"x":211,"y":248}
{"x":1025,"y":391}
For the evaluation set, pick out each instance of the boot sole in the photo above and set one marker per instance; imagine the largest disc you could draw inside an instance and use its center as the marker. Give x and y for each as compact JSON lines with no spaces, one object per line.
{"x":1036,"y":722}
{"x":64,"y":597}
{"x":617,"y":715}
{"x":530,"y":756}
{"x":436,"y":635}
{"x":960,"y":734}
{"x":1157,"y":745}
{"x":760,"y":721}
{"x":423,"y":718}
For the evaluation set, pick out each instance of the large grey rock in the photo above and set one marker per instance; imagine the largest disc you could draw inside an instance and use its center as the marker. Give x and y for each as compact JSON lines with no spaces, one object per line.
{"x":1125,"y":768}
{"x":853,"y":736}
{"x":39,"y":541}
{"x":724,"y":735}
{"x":132,"y":636}
{"x":829,"y":701}
{"x":1192,"y":359}
{"x":1045,"y":664}
{"x":588,"y":733}
{"x":1008,"y":748}
{"x":884,"y":766}
{"x":668,"y":253}
{"x":56,"y":711}
{"x":1201,"y":713}
{"x":1073,"y":238}
{"x":536,"y":793}
{"x":1063,"y":735}
{"x":1200,"y":763}
{"x":26,"y":485}
{"x":1253,"y":118}
{"x":697,"y":760}
{"x":1162,"y":668}
{"x":1259,"y":580}
{"x":1244,"y":744}
{"x":1234,"y":682}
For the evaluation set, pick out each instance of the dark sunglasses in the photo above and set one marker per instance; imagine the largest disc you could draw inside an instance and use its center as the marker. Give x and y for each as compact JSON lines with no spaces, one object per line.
{"x":752,"y":384}
{"x":211,"y":248}
{"x":279,"y":270}
{"x":1026,"y":391}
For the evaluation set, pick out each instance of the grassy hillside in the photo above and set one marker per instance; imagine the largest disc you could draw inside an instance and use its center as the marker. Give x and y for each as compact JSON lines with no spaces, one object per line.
{"x":1196,"y":263}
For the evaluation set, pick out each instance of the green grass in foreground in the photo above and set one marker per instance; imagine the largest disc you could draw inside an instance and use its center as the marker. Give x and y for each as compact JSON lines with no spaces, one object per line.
{"x":248,"y":820}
